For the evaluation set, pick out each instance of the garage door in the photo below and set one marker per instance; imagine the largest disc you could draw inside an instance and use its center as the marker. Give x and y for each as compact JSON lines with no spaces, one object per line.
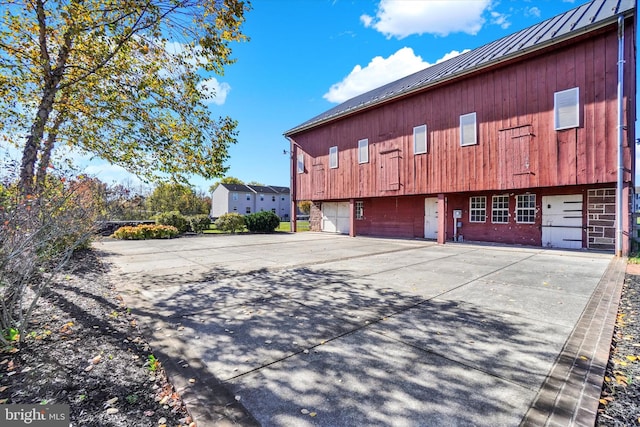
{"x":562,"y":221}
{"x":335,"y":217}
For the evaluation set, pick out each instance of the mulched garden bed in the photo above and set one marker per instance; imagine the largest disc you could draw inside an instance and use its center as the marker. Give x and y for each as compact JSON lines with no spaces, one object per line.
{"x":85,"y":350}
{"x":620,"y":400}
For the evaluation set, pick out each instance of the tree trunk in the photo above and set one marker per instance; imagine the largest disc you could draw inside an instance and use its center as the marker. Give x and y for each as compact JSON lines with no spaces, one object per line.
{"x":32,"y":144}
{"x":45,"y":157}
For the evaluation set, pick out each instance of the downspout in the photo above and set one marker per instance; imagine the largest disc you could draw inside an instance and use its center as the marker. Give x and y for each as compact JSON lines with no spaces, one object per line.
{"x":620,"y":139}
{"x":293,"y":219}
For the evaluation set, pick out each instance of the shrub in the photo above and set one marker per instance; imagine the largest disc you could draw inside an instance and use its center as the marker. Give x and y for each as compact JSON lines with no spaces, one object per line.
{"x":38,"y":235}
{"x":262,"y":222}
{"x":199,"y":223}
{"x":145,"y":231}
{"x":230,"y":222}
{"x":173,"y":218}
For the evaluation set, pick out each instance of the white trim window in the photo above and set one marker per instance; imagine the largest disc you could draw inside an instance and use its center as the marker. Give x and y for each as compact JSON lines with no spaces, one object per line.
{"x":363,"y":151}
{"x":420,"y":139}
{"x":300,"y":162}
{"x":566,"y":109}
{"x":234,"y":196}
{"x":333,"y":157}
{"x":468,"y":130}
{"x":359,"y":209}
{"x":477,"y":208}
{"x":526,"y":208}
{"x":500,"y":209}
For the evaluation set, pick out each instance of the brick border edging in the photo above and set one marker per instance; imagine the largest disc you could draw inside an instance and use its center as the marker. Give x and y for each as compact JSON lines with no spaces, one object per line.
{"x":570,"y":394}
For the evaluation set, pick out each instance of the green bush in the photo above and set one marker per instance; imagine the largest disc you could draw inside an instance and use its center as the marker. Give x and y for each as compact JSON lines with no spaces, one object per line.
{"x":145,"y":231}
{"x":262,"y":222}
{"x":173,"y":218}
{"x":230,"y":222}
{"x":199,"y":223}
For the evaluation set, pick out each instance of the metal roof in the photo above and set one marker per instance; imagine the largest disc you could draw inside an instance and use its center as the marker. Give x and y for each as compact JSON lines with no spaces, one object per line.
{"x":244,"y":188}
{"x":584,"y":18}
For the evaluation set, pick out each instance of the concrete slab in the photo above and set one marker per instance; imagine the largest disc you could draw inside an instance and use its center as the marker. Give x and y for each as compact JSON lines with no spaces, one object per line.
{"x":368,"y":331}
{"x":364,"y":378}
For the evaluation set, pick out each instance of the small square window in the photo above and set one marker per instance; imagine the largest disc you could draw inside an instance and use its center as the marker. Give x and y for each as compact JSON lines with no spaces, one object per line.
{"x":478,"y":209}
{"x":420,"y":139}
{"x":500,"y":209}
{"x":363,"y":151}
{"x":468,"y":130}
{"x":333,"y":157}
{"x":248,"y":210}
{"x":300,"y":163}
{"x":359,"y":209}
{"x":526,"y":208}
{"x":566,"y":109}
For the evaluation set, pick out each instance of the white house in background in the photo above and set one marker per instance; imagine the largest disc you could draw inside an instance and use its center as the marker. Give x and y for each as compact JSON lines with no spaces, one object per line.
{"x":247,"y":199}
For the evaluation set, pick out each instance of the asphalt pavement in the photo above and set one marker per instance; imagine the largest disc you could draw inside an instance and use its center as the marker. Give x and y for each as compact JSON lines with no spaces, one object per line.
{"x":315,"y":329}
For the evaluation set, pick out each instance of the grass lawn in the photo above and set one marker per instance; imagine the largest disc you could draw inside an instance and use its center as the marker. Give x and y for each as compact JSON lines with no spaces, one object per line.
{"x":284,"y":226}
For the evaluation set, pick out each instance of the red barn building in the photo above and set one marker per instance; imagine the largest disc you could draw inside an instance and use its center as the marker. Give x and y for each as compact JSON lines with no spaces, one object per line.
{"x":526,"y":140}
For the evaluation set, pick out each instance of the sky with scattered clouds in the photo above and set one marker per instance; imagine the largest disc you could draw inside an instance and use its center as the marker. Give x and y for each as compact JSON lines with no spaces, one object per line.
{"x":306,"y":56}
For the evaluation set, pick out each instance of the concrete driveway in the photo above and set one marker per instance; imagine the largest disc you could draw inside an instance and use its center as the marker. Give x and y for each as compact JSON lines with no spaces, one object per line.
{"x":318,"y":329}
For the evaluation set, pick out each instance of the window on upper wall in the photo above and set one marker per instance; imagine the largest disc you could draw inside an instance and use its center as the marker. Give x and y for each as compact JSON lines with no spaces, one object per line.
{"x":468,"y":130}
{"x":566,"y":108}
{"x":477,"y":209}
{"x":262,"y":197}
{"x":420,"y":139}
{"x":359,"y":209}
{"x":234,"y":196}
{"x":363,"y":151}
{"x":248,"y":197}
{"x":300,"y":163}
{"x":333,"y":157}
{"x":526,"y":208}
{"x":273,"y":198}
{"x":500,"y":209}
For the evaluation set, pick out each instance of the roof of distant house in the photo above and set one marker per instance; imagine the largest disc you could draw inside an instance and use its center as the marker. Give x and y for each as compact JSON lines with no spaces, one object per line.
{"x":584,"y":18}
{"x":264,"y":189}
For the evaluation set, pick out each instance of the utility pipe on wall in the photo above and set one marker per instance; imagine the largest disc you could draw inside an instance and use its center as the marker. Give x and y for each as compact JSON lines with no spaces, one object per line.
{"x":620,"y":183}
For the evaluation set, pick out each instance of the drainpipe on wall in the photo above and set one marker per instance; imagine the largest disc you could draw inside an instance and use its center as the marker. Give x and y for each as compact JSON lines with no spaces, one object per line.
{"x":620,"y":183}
{"x":293,"y":219}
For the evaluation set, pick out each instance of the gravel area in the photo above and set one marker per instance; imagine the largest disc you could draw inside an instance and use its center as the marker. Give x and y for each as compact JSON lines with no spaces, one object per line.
{"x":620,"y":400}
{"x":85,"y":350}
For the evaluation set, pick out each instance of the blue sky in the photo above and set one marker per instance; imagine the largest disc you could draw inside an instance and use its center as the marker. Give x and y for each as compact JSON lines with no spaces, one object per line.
{"x":306,"y":56}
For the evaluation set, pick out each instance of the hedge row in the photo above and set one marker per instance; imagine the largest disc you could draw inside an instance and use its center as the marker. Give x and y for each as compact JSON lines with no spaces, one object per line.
{"x":146,"y":231}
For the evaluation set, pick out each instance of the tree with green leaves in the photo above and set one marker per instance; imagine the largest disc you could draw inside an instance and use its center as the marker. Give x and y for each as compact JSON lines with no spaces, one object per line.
{"x":122,"y":80}
{"x":226,"y":180}
{"x":168,"y":197}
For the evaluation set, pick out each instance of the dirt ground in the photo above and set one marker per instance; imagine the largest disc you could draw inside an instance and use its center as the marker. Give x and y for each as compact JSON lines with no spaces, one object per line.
{"x":84,"y":349}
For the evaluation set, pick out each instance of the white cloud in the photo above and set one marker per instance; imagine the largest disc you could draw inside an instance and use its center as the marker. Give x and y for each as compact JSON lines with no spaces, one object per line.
{"x":215,"y":91}
{"x":500,"y":19}
{"x":402,"y":18}
{"x":379,"y":72}
{"x":110,"y":174}
{"x":532,"y":11}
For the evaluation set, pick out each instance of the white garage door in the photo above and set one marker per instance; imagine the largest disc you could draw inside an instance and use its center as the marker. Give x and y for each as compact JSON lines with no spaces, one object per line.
{"x":335,"y":217}
{"x":562,"y":221}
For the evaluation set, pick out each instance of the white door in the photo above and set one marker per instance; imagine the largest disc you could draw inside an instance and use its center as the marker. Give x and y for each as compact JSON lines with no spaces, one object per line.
{"x":335,"y":217}
{"x":431,"y":218}
{"x":562,"y":221}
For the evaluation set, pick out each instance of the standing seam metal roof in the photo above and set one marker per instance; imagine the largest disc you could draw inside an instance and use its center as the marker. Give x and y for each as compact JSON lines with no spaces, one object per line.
{"x":571,"y":23}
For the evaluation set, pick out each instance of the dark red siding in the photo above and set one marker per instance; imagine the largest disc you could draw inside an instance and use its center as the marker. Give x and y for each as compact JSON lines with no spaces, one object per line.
{"x":517,"y":148}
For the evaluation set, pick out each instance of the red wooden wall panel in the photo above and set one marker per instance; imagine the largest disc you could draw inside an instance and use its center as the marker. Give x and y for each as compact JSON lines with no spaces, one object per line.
{"x":510,"y":101}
